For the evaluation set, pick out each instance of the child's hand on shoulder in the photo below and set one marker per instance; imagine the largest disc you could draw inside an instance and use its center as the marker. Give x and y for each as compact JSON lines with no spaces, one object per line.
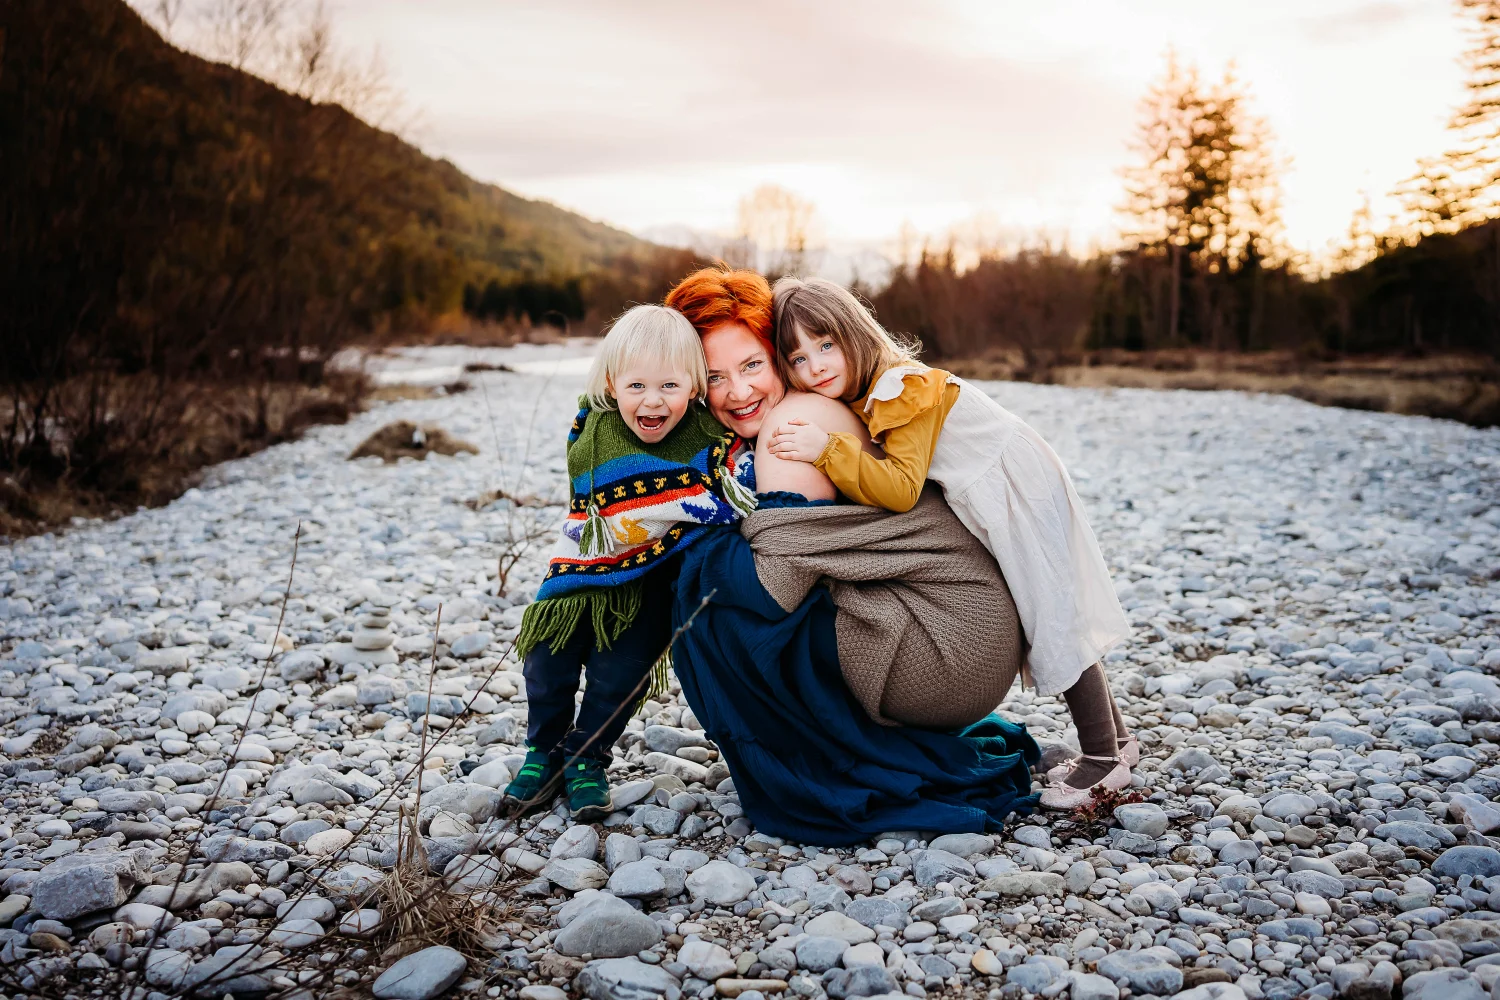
{"x":799,"y":441}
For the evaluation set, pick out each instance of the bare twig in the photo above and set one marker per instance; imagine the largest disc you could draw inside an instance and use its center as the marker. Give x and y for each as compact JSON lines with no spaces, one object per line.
{"x":427,"y":713}
{"x":244,"y":728}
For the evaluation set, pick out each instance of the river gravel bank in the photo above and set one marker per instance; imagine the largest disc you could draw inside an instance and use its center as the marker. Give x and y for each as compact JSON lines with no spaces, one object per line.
{"x":1315,"y":675}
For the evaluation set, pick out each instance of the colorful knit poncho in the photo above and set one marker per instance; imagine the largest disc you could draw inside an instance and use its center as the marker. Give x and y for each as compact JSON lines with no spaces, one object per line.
{"x":633,"y":506}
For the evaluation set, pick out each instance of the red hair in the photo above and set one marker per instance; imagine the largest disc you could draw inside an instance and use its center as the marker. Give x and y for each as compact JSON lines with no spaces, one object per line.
{"x":718,"y":295}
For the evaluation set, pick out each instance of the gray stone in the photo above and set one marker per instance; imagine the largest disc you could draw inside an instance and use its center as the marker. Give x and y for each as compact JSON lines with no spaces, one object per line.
{"x":865,"y":981}
{"x":1092,"y":986}
{"x":501,"y":730}
{"x":234,"y":969}
{"x":706,"y":960}
{"x":574,"y":874}
{"x":963,"y":845}
{"x":638,"y":879}
{"x":938,"y":908}
{"x":474,"y":801}
{"x":934,"y":866}
{"x":1443,"y":984}
{"x":301,"y":665}
{"x":836,"y":925}
{"x":576,"y":842}
{"x":720,"y":883}
{"x":819,"y":954}
{"x":1480,"y":862}
{"x":626,"y":979}
{"x":877,"y":910}
{"x":1033,"y":977}
{"x":421,"y":975}
{"x":295,"y":932}
{"x":1212,"y":991}
{"x":1025,"y":884}
{"x":669,"y":739}
{"x":659,"y":820}
{"x":85,"y":883}
{"x":1079,"y":876}
{"x":608,"y":928}
{"x":1343,"y":735}
{"x":1142,"y":971}
{"x":1290,"y":805}
{"x":620,"y":849}
{"x":1144,"y":818}
{"x":471,"y":645}
{"x":1033,"y":836}
{"x":1429,"y":836}
{"x":1315,"y":882}
{"x":121,"y":800}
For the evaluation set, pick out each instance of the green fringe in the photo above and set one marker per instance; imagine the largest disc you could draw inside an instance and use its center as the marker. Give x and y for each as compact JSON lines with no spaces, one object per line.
{"x":658,"y":686}
{"x":611,"y":610}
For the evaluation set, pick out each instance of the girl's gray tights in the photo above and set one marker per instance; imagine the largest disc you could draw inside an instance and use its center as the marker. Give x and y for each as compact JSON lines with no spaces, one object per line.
{"x":1101,"y":728}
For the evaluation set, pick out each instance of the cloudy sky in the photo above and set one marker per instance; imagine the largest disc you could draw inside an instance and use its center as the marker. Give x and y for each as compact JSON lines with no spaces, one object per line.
{"x":654,"y":113}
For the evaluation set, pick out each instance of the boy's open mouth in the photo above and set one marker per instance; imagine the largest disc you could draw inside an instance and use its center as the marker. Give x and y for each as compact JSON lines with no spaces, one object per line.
{"x":650,"y":423}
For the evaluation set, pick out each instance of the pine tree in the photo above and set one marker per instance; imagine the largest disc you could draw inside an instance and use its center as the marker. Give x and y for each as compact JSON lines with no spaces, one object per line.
{"x":1462,"y":187}
{"x":1205,"y":197}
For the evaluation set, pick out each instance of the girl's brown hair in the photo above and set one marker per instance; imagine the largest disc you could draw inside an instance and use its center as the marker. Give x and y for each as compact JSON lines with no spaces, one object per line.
{"x":818,"y":307}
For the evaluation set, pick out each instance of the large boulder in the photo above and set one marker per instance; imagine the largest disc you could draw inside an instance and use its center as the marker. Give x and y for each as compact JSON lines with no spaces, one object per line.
{"x":87,"y":883}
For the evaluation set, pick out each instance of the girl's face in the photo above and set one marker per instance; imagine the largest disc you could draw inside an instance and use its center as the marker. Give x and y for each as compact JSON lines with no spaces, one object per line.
{"x":652,"y":399}
{"x":818,"y":365}
{"x":742,"y":382}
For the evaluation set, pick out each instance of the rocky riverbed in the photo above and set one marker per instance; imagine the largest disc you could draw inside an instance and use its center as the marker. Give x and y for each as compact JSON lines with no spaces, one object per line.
{"x":1315,"y":676}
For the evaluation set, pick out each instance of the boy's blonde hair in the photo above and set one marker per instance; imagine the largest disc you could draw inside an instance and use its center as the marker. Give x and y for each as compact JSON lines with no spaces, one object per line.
{"x":649,"y":334}
{"x":819,"y":307}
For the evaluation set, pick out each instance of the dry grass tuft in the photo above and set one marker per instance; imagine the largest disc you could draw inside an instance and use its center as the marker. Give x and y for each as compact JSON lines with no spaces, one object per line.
{"x":489,"y":497}
{"x":121,"y":441}
{"x":1452,"y":387}
{"x":404,"y":439}
{"x":426,"y":910}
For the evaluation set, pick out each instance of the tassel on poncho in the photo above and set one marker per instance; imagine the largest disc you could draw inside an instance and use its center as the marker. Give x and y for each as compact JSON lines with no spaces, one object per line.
{"x":633,"y":505}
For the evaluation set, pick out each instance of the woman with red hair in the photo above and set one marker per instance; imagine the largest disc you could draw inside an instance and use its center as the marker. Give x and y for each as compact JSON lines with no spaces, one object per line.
{"x":831,"y":737}
{"x":731,"y":310}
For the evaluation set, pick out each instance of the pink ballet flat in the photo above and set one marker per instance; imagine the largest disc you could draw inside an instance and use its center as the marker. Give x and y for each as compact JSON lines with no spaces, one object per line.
{"x":1062,"y":796}
{"x":1130,"y":756}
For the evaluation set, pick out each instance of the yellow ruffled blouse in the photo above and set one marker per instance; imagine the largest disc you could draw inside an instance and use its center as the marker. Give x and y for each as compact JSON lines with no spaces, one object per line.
{"x":906,"y":427}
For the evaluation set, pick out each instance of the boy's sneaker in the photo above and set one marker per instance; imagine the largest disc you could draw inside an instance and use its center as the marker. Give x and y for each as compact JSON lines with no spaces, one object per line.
{"x":588,"y":790}
{"x":536,"y":783}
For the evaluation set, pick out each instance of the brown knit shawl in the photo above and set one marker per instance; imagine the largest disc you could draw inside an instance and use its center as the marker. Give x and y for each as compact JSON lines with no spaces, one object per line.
{"x":927,"y":630}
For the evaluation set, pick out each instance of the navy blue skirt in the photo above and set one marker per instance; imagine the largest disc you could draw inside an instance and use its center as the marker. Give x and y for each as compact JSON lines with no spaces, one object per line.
{"x":808,"y":763}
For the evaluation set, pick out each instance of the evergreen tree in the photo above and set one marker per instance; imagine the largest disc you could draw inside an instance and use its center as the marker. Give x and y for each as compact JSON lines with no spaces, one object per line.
{"x":1203,"y":201}
{"x":1462,"y":187}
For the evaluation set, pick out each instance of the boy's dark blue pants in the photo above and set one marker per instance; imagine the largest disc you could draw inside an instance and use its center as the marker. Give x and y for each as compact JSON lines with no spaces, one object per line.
{"x":613,"y":675}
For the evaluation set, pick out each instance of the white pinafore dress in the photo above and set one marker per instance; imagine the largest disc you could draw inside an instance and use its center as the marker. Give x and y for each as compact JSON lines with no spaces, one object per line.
{"x":1010,"y":489}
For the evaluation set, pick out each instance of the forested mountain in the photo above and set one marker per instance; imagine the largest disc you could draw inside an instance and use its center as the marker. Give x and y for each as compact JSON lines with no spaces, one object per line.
{"x":172,"y":213}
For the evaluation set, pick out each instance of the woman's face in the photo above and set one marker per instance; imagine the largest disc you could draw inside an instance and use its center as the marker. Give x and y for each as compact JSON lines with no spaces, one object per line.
{"x":742,"y":382}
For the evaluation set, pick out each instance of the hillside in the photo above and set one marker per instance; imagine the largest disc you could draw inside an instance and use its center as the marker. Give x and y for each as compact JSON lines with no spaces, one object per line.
{"x":183,"y":246}
{"x":170,"y":210}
